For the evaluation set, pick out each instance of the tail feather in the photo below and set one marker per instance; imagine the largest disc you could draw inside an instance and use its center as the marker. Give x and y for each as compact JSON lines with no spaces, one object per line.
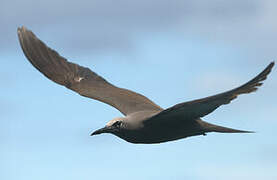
{"x":220,"y":129}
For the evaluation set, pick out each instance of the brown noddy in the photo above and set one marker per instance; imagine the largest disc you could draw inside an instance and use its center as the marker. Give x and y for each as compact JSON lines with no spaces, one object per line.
{"x":144,"y":121}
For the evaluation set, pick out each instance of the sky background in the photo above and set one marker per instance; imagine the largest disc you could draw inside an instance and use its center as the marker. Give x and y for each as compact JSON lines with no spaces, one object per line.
{"x":169,"y":50}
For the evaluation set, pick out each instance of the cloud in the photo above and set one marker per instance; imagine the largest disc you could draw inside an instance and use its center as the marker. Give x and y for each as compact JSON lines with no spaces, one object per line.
{"x":104,"y":26}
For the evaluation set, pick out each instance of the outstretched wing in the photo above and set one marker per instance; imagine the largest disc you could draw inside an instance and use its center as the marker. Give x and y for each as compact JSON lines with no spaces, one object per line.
{"x":198,"y":108}
{"x":80,"y":79}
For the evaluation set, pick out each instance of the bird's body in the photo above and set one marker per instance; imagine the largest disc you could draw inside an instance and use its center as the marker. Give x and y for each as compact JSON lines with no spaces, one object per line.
{"x":144,"y":121}
{"x":138,"y":128}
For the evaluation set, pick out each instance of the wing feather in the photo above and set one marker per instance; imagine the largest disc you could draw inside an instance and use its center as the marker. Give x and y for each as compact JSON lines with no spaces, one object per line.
{"x":193,"y":110}
{"x":78,"y":78}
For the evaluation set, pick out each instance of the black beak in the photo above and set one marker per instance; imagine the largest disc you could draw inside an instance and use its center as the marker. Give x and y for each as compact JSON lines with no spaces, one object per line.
{"x":100,"y":131}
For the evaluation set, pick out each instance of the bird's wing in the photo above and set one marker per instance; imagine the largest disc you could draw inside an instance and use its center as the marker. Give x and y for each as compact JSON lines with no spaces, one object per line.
{"x":80,"y":79}
{"x":198,"y":108}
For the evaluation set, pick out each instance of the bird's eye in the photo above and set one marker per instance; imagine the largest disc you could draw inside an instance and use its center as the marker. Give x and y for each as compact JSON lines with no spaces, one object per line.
{"x":117,"y":124}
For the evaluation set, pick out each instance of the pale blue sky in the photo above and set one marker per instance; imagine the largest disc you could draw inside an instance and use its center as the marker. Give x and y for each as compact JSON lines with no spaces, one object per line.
{"x":171,"y":51}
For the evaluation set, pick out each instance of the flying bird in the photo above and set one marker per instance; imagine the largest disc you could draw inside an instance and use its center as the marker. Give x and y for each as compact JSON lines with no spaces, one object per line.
{"x":144,"y":122}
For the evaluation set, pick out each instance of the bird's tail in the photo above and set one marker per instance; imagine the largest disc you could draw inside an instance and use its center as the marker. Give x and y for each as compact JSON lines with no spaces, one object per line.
{"x":220,"y":129}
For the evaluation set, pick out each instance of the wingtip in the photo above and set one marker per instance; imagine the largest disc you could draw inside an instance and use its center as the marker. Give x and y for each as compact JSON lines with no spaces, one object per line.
{"x":269,"y":67}
{"x":272,"y":63}
{"x":21,"y":29}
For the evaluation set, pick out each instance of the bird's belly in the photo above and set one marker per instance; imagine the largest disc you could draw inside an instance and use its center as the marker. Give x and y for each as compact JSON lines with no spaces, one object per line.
{"x":162,"y":133}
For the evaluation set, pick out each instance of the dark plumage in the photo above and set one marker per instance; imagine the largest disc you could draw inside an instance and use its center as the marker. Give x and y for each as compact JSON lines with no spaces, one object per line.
{"x":144,"y":121}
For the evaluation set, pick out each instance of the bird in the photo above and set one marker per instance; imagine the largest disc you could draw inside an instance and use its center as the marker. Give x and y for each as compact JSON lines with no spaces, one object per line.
{"x":143,"y":121}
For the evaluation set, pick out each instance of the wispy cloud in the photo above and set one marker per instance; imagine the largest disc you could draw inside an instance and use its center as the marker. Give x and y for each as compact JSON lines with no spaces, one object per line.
{"x":104,"y":25}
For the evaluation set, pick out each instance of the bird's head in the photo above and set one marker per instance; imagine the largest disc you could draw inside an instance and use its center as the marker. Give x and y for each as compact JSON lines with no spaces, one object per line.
{"x":114,"y":126}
